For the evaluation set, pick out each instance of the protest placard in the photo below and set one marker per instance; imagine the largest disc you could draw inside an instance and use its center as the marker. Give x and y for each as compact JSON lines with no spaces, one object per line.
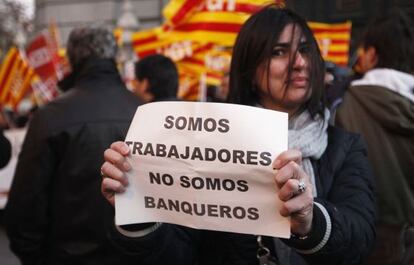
{"x":206,"y":166}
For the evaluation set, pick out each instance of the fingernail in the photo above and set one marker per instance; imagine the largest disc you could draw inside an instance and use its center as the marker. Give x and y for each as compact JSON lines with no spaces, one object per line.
{"x":127,"y":167}
{"x":125,"y":149}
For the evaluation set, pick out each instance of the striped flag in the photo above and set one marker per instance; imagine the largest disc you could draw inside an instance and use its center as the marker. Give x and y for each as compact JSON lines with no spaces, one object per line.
{"x":16,"y":76}
{"x":217,"y":27}
{"x":8,"y":66}
{"x":210,"y":61}
{"x":210,"y":21}
{"x":333,"y":40}
{"x":177,"y":11}
{"x":149,"y":41}
{"x":22,"y":87}
{"x":198,"y":22}
{"x":189,"y":85}
{"x":205,"y":67}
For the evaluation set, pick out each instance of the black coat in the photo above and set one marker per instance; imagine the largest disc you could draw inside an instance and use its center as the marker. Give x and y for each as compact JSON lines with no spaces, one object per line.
{"x":344,"y":184}
{"x":56,"y":213}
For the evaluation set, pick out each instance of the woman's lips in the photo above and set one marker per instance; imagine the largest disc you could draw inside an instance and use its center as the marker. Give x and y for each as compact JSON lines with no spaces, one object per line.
{"x":299,"y":81}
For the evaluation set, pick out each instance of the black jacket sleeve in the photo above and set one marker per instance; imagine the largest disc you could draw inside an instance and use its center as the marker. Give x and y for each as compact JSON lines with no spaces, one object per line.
{"x":168,"y":244}
{"x":28,"y":203}
{"x":177,"y":245}
{"x":349,"y":202}
{"x":5,"y":150}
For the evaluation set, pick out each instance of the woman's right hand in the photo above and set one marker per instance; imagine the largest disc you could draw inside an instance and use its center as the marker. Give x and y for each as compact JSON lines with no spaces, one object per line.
{"x":113,"y":171}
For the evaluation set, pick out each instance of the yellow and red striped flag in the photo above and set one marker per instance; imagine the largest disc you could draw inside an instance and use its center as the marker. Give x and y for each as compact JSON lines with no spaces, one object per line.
{"x":16,"y":76}
{"x":189,"y":84}
{"x":21,"y":88}
{"x":177,"y":11}
{"x":198,"y":21}
{"x":147,"y":42}
{"x":7,"y":67}
{"x":210,"y":60}
{"x":210,"y":21}
{"x":333,"y":40}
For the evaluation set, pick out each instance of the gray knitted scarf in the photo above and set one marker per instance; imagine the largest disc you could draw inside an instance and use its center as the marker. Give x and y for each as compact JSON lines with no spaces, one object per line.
{"x":309,"y":135}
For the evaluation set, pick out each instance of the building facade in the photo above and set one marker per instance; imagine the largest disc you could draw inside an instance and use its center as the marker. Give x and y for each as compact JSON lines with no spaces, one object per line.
{"x":68,"y":14}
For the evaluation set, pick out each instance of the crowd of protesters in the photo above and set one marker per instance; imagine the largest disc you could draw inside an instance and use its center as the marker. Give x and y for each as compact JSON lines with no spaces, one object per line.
{"x":345,"y":181}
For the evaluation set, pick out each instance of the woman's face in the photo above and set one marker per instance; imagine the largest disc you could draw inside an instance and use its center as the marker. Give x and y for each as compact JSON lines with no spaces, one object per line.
{"x":278,"y":91}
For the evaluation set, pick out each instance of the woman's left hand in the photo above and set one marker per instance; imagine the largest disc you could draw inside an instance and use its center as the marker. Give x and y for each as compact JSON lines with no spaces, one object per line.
{"x":295,"y":191}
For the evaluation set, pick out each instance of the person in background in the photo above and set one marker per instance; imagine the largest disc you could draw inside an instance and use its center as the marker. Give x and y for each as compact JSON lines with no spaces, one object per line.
{"x":156,"y":78}
{"x":55,"y":213}
{"x":336,"y":82}
{"x":324,"y":178}
{"x":380,"y":106}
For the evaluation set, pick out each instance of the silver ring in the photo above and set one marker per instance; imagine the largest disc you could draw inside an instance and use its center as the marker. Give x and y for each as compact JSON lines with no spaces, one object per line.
{"x":301,"y":186}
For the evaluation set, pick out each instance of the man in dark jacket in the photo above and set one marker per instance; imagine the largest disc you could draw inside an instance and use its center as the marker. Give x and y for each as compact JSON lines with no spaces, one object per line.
{"x":56,"y":214}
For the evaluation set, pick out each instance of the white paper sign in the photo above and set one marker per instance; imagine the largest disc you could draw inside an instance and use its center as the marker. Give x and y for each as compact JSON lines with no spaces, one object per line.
{"x":16,"y":138}
{"x":206,"y":166}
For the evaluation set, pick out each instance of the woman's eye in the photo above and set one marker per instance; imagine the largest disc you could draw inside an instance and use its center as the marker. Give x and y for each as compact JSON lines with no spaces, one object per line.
{"x":278,"y":52}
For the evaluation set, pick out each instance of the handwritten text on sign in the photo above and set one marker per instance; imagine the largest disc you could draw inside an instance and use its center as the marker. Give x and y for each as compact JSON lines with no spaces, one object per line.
{"x":206,"y":166}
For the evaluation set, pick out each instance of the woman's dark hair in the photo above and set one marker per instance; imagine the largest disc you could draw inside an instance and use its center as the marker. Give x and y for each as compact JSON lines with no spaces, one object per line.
{"x":392,"y":36}
{"x":254,"y":46}
{"x":162,"y":75}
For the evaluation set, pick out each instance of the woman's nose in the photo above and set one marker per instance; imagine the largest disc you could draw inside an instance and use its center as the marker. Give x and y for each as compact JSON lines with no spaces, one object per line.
{"x":299,"y":60}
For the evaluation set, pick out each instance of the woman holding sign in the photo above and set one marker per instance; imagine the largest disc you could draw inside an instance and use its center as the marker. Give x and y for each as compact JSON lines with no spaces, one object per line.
{"x":324,"y":178}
